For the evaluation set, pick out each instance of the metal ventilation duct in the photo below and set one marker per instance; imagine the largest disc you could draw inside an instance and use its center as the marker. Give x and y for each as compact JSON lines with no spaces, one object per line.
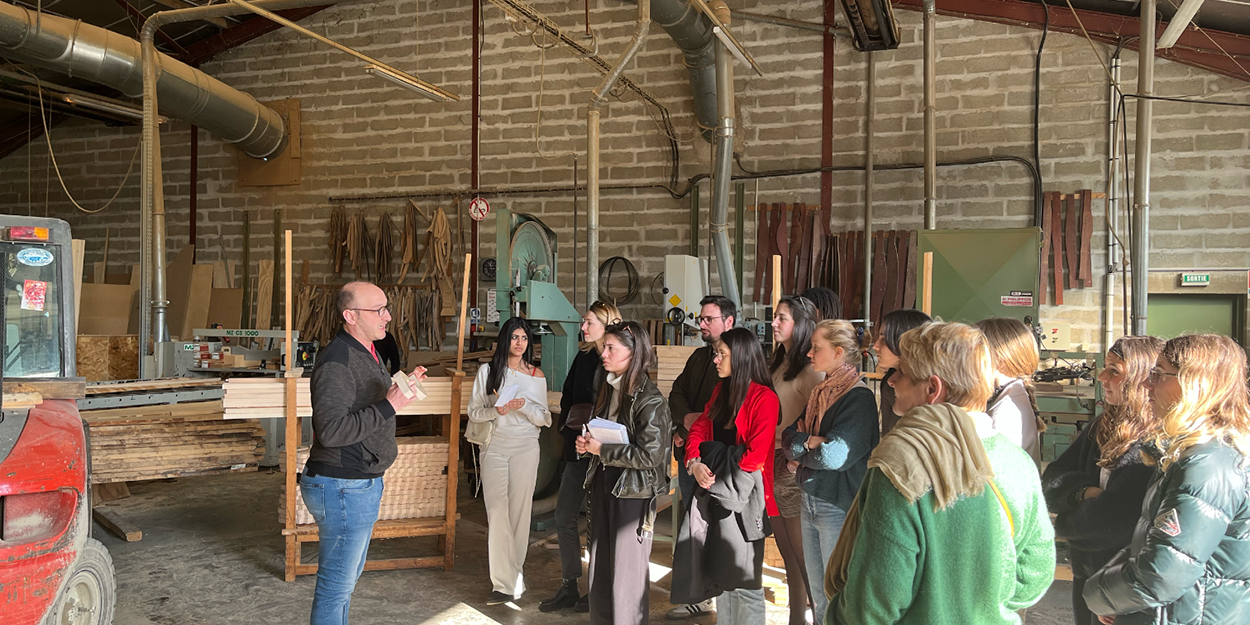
{"x":108,"y":58}
{"x":692,"y":32}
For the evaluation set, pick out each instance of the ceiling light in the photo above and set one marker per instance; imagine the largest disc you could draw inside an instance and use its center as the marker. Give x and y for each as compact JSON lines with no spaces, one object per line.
{"x":412,"y":83}
{"x":102,"y":106}
{"x":1179,"y":22}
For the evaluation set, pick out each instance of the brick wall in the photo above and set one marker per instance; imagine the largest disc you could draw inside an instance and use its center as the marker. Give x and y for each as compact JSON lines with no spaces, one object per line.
{"x":363,"y":136}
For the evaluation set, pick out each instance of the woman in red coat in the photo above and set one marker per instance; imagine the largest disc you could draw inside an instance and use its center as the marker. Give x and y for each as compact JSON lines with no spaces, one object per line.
{"x":742,"y":415}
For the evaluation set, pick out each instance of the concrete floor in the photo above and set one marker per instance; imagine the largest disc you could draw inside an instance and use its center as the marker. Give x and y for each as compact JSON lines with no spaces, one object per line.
{"x":212,"y":553}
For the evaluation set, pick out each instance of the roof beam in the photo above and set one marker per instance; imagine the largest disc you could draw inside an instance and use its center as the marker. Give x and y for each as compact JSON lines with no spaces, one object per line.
{"x":201,"y":51}
{"x":1216,"y":51}
{"x":182,"y":4}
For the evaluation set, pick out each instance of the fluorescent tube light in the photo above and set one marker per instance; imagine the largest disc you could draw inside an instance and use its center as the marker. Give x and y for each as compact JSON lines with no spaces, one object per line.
{"x":107,"y":107}
{"x":412,"y":83}
{"x":1179,"y":22}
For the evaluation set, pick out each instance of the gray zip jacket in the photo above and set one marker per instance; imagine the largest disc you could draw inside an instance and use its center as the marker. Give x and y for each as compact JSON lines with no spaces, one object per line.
{"x":353,"y":423}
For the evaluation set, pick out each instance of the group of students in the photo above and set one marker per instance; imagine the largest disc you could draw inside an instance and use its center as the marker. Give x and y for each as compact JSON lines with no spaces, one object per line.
{"x":925,"y":507}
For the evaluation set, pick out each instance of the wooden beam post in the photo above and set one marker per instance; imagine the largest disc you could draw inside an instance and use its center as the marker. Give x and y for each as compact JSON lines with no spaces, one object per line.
{"x":292,"y":428}
{"x":926,"y":305}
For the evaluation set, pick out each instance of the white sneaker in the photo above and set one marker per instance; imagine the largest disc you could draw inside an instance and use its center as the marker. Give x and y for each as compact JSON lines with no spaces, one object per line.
{"x":691,"y":610}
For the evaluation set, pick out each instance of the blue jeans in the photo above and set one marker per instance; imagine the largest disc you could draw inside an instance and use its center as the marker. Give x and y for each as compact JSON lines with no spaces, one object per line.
{"x":822,"y":522}
{"x":345,"y":511}
{"x":740,"y":607}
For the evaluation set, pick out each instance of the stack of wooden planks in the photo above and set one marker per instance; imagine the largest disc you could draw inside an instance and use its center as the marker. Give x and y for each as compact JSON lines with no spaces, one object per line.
{"x":671,"y":359}
{"x":264,"y":398}
{"x":416,"y":484}
{"x":172,"y":440}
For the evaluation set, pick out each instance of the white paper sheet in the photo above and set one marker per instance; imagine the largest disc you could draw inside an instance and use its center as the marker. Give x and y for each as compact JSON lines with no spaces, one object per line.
{"x":608,"y":432}
{"x":507,"y":394}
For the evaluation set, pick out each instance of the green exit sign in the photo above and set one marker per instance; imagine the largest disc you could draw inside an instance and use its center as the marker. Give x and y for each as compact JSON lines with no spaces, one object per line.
{"x":1195,"y":279}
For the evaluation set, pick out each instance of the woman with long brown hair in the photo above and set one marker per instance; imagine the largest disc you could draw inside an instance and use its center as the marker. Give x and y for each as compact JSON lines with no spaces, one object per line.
{"x":730,"y":446}
{"x":1187,"y":562}
{"x":793,"y":376}
{"x":625,"y":478}
{"x":1097,"y":486}
{"x":1012,"y":407}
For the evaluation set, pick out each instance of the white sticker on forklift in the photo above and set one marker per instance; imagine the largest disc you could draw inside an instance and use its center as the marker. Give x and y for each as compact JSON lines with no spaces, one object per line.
{"x":33,"y":294}
{"x":1017,"y":298}
{"x":35,"y":257}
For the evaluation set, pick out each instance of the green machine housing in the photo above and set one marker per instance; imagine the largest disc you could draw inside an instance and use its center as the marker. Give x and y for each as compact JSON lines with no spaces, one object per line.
{"x":525,"y":257}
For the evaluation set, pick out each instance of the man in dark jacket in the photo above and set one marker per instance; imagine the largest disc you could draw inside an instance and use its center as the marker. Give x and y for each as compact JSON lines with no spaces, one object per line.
{"x":354,"y":403}
{"x":691,"y":392}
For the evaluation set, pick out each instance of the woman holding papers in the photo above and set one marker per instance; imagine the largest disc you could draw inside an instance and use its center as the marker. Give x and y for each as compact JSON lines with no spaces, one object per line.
{"x":511,"y":393}
{"x":625,"y":478}
{"x":576,"y":401}
{"x":730,"y":455}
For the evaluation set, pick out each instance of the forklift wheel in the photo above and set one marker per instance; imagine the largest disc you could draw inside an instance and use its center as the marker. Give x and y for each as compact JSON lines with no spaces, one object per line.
{"x":91,"y":592}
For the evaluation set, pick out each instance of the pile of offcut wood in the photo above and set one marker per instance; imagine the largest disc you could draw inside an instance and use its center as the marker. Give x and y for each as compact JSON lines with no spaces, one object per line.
{"x":670,"y":360}
{"x":175,"y":440}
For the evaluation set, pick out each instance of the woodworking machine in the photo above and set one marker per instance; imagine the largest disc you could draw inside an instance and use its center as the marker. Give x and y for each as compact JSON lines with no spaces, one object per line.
{"x":525,"y":287}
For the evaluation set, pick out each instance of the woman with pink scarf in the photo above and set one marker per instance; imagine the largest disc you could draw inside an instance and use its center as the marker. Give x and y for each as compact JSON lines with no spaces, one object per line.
{"x":828,"y":446}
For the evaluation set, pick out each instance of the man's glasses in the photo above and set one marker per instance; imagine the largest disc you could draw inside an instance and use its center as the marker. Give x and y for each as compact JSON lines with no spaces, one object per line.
{"x":379,"y":311}
{"x":708,"y":320}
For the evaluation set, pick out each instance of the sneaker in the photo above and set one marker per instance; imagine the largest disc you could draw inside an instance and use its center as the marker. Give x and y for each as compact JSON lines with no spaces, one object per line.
{"x":498,"y":598}
{"x":583,"y":605}
{"x":566,"y":597}
{"x":691,"y":610}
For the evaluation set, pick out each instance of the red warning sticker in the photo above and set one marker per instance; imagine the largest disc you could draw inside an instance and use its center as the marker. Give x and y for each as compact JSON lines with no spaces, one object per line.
{"x":33,"y":294}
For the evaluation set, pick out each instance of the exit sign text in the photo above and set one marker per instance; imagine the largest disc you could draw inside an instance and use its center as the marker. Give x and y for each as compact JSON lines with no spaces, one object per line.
{"x":1195,"y":279}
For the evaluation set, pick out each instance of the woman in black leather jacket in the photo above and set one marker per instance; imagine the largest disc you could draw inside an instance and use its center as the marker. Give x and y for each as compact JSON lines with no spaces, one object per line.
{"x":1097,"y":486}
{"x":625,"y":479}
{"x":1189,"y":561}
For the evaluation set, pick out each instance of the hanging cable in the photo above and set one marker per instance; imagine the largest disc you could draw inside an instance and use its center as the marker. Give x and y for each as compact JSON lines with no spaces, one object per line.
{"x":606,"y":272}
{"x":47,"y":135}
{"x":1037,"y":113}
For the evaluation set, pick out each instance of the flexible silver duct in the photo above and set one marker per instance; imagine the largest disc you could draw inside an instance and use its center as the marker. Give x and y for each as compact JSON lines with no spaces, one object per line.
{"x":692,"y":32}
{"x":723,"y":166}
{"x":108,"y":58}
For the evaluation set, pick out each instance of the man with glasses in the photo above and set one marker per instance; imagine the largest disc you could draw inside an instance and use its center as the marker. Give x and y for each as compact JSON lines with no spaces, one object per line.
{"x":354,"y":402}
{"x":690,"y":394}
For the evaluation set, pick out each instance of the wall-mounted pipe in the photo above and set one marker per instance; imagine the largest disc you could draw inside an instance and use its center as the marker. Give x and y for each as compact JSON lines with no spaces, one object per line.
{"x":723,"y":165}
{"x":930,"y":112}
{"x":1113,"y":203}
{"x":692,"y":32}
{"x":1141,"y":177}
{"x":870,"y":114}
{"x":597,"y":98}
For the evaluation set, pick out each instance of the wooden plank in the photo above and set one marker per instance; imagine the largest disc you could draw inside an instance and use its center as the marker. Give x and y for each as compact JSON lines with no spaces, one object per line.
{"x":114,"y":522}
{"x":225,"y":306}
{"x":105,"y":310}
{"x":394,"y":528}
{"x":78,"y":249}
{"x":264,"y":295}
{"x":877,"y":289}
{"x":91,"y":354}
{"x":926,"y":302}
{"x":1056,"y":248}
{"x":67,"y":388}
{"x":909,"y":285}
{"x":801,"y":238}
{"x":123,"y":357}
{"x":762,"y":252}
{"x":1087,"y":233}
{"x":1070,"y":243}
{"x":889,"y":303}
{"x":781,"y":245}
{"x":151,"y":385}
{"x":1046,"y":228}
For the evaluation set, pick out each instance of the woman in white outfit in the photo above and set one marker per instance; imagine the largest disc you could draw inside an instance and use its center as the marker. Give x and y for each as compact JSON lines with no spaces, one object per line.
{"x":510,"y":455}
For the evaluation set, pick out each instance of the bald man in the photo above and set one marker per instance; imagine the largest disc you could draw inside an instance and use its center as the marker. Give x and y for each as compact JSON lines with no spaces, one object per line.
{"x":354,"y":403}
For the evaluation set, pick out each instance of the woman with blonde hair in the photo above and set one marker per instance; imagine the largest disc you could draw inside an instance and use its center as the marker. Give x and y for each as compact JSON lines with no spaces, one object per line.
{"x":577,"y":400}
{"x":1097,"y":486}
{"x":1188,"y":560}
{"x":1012,"y":407}
{"x":828,"y":446}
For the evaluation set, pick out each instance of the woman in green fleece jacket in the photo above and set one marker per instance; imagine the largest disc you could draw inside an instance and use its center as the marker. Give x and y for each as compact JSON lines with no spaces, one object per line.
{"x":954,"y":527}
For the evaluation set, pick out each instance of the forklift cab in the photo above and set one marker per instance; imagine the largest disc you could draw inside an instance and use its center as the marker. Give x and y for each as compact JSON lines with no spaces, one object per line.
{"x":51,"y":570}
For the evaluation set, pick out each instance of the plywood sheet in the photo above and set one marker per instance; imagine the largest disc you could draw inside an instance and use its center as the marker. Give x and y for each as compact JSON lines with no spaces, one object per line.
{"x":226,"y":307}
{"x":78,"y":248}
{"x":123,"y":357}
{"x":91,"y":353}
{"x":105,"y":309}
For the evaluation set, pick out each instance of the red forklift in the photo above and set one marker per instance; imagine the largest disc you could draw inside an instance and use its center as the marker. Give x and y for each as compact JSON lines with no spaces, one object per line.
{"x":52,"y":572}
